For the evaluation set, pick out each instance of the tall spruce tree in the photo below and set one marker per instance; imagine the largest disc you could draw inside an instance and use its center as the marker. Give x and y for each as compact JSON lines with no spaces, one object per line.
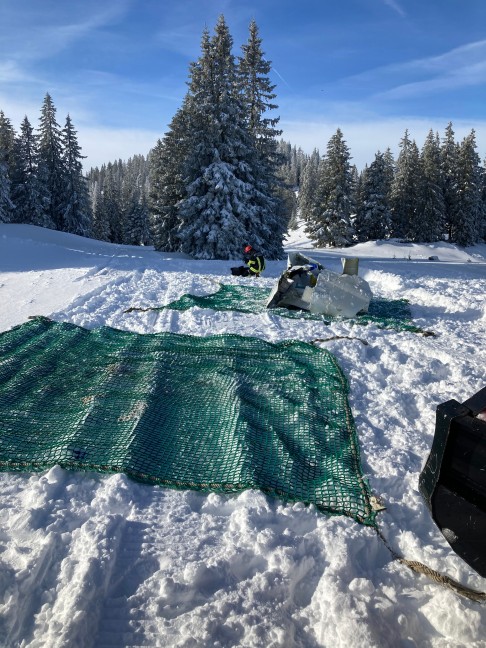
{"x":431,"y":222}
{"x":406,"y":181}
{"x":257,"y":93}
{"x":76,"y":217}
{"x":51,"y":165}
{"x":450,"y":180}
{"x":308,"y":185}
{"x":30,"y":193}
{"x":470,"y":214}
{"x":134,"y":202}
{"x":482,"y":230}
{"x":137,"y":231}
{"x":6,"y":204}
{"x":111,"y":204}
{"x":7,"y":143}
{"x":9,"y":162}
{"x":330,"y":222}
{"x":219,"y":214}
{"x":101,"y":227}
{"x":167,"y":162}
{"x":373,"y":219}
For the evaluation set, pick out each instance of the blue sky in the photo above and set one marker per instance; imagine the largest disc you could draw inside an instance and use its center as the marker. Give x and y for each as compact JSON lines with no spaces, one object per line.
{"x":370,"y":67}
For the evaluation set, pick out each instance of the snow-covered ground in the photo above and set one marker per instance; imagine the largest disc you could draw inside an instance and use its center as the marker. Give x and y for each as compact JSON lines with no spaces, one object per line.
{"x":97,"y":560}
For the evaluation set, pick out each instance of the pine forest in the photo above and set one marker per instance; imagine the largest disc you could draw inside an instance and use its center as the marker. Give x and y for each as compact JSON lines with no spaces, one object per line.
{"x":221,"y":176}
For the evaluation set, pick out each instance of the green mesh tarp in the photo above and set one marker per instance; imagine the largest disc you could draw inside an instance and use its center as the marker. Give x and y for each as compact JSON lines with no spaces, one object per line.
{"x":385,"y":313}
{"x":221,"y":413}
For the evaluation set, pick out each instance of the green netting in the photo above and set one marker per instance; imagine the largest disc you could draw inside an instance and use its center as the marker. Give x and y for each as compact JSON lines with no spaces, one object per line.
{"x":221,"y":413}
{"x":385,"y":313}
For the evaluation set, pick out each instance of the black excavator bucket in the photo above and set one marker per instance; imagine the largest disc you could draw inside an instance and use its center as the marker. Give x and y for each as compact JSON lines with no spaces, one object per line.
{"x":453,"y":481}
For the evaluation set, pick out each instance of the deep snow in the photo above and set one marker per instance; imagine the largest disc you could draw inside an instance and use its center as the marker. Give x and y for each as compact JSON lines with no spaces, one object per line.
{"x":96,"y":560}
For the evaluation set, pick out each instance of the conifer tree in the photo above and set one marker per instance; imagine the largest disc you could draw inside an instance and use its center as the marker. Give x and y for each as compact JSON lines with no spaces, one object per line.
{"x":111,"y":206}
{"x":221,"y":209}
{"x":51,"y":165}
{"x":8,"y":158}
{"x":167,"y":181}
{"x":7,"y":143}
{"x":482,"y":229}
{"x":450,"y":179}
{"x":330,"y":222}
{"x":308,"y":185}
{"x":30,"y":193}
{"x":6,"y":204}
{"x":76,"y":217}
{"x":470,"y":214}
{"x":373,"y":220}
{"x":403,"y":192}
{"x":431,"y":209}
{"x":137,"y":230}
{"x":258,"y":96}
{"x":134,"y":203}
{"x":100,"y":228}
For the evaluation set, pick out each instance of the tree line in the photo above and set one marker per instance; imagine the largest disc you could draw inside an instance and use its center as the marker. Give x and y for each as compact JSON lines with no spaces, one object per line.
{"x":433,"y":194}
{"x":219,"y":178}
{"x":41,"y":178}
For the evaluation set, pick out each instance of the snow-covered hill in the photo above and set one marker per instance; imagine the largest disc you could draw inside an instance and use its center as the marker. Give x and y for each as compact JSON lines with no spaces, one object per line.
{"x":96,"y":560}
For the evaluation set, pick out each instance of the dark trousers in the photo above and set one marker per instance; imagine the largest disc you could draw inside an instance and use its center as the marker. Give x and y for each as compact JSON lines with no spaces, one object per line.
{"x":240,"y":271}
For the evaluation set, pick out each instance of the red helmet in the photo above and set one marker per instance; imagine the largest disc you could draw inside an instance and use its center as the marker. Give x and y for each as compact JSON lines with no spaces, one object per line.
{"x":247,"y":249}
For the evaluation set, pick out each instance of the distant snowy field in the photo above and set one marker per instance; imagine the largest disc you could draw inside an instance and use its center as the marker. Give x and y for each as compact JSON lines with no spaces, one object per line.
{"x":89,"y":560}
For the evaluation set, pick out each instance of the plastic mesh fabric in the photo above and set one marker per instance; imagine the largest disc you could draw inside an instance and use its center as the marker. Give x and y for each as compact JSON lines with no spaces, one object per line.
{"x":385,"y":313}
{"x":220,"y":413}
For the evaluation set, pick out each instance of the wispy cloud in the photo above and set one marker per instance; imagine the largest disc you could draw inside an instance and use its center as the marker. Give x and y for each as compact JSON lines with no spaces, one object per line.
{"x":459,"y":67}
{"x":472,"y":75}
{"x":395,"y":6}
{"x":29,"y":42}
{"x":11,"y":72}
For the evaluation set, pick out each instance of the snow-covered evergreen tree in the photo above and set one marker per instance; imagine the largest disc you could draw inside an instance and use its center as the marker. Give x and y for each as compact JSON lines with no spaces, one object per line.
{"x":6,"y":204}
{"x":30,"y":193}
{"x":7,"y":143}
{"x":111,"y":204}
{"x":223,"y":205}
{"x":51,"y":166}
{"x":330,"y":222}
{"x":77,"y":217}
{"x":431,"y":210}
{"x":8,"y":158}
{"x":450,"y":180}
{"x":134,"y":202}
{"x":167,"y":162}
{"x":406,"y":184}
{"x":482,"y":229}
{"x":257,"y":93}
{"x":373,"y":219}
{"x":308,"y":185}
{"x":470,"y":215}
{"x":101,"y":227}
{"x":137,"y":231}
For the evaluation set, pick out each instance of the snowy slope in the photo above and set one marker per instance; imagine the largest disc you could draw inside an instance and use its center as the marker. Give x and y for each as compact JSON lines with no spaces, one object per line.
{"x":92,"y":560}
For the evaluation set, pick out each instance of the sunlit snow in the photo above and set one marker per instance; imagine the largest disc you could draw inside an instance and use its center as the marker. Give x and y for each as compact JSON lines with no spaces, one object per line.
{"x":89,"y":560}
